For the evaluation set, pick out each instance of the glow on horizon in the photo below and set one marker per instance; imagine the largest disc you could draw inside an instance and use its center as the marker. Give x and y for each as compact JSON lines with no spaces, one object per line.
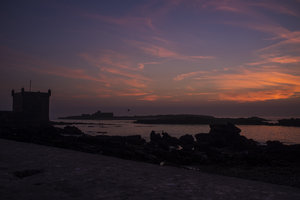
{"x":151,"y":53}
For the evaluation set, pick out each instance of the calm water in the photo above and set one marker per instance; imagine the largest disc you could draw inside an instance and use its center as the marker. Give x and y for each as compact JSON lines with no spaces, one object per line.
{"x":287,"y":135}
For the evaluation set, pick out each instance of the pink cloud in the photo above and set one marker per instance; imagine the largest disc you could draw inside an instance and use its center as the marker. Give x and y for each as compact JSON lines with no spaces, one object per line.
{"x":267,"y":59}
{"x":124,"y":21}
{"x":200,"y":93}
{"x":125,"y":74}
{"x":287,"y":39}
{"x":68,"y":73}
{"x":142,"y":65}
{"x":163,"y":52}
{"x":249,"y":7}
{"x":118,"y":69}
{"x":276,"y":7}
{"x":21,"y":60}
{"x":110,"y":58}
{"x":284,"y":51}
{"x":132,"y":94}
{"x":150,"y":8}
{"x":271,"y":28}
{"x":187,"y":75}
{"x":135,"y":83}
{"x":159,"y":51}
{"x":240,"y":7}
{"x":113,"y":78}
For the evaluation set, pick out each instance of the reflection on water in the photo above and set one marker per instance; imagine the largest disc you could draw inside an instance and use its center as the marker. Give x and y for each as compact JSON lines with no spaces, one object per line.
{"x":288,"y":135}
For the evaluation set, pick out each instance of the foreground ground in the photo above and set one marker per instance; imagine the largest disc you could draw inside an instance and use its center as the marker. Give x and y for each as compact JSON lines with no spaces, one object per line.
{"x":30,"y":171}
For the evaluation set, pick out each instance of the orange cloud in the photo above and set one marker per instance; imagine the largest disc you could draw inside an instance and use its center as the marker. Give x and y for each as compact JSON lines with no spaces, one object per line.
{"x":285,"y":59}
{"x":149,"y":98}
{"x":154,"y":97}
{"x":257,"y":95}
{"x":257,"y":80}
{"x":245,"y":85}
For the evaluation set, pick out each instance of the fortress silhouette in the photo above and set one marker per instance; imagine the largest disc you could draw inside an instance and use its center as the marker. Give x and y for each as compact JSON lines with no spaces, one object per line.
{"x":28,"y":108}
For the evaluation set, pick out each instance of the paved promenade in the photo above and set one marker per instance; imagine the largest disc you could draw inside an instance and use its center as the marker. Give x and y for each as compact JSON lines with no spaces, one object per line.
{"x":30,"y":171}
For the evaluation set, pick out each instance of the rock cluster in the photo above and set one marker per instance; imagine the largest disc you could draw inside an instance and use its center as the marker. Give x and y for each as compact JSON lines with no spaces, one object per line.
{"x":222,"y":146}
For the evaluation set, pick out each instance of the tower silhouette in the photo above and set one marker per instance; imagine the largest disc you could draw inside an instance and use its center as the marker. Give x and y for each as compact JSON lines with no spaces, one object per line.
{"x":31,"y":107}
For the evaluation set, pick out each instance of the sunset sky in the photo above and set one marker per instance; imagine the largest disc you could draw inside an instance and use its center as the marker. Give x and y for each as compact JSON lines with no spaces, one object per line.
{"x":215,"y":57}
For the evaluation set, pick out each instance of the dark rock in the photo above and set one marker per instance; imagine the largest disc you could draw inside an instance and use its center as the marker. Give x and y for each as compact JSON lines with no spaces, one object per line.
{"x":169,"y":140}
{"x":165,"y":142}
{"x":200,"y":157}
{"x":228,"y":129}
{"x":186,"y":139}
{"x":135,"y":140}
{"x":289,"y":122}
{"x":274,"y":145}
{"x":155,"y":137}
{"x":203,"y":138}
{"x":187,"y":142}
{"x":223,"y":146}
{"x":228,"y":136}
{"x":203,"y":142}
{"x":72,"y":130}
{"x":49,"y":131}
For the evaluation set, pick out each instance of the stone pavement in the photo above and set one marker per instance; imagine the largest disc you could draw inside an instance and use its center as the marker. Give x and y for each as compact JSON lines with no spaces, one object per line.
{"x":30,"y":171}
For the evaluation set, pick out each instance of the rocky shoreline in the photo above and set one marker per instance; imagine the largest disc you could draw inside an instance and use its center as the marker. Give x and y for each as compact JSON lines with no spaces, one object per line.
{"x":30,"y":171}
{"x":223,"y":150}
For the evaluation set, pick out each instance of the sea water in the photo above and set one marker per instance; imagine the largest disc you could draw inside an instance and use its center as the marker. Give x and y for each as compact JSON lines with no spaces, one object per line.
{"x":260,"y":133}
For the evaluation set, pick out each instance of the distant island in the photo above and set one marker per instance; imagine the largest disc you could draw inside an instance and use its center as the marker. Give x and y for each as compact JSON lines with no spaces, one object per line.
{"x":186,"y":119}
{"x":94,"y":116}
{"x":202,"y":119}
{"x":289,"y":122}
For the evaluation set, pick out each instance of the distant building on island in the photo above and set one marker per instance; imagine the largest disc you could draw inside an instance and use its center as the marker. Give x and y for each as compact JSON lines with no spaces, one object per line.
{"x":28,"y":108}
{"x":96,"y":115}
{"x":100,"y":114}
